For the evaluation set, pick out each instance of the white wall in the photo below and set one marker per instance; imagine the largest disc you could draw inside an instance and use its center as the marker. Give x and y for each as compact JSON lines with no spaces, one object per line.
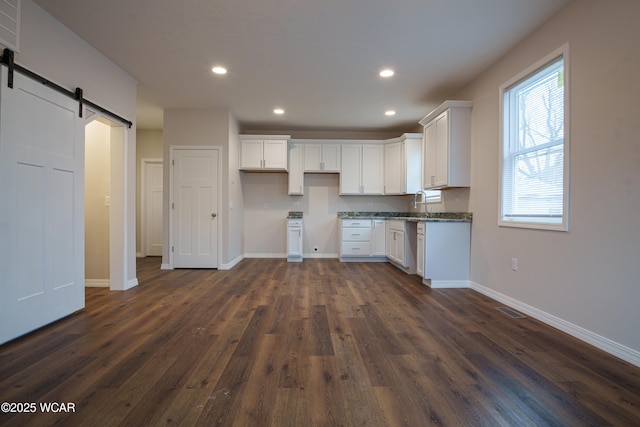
{"x":588,"y":278}
{"x":203,"y":127}
{"x":148,"y":146}
{"x":96,"y":214}
{"x":49,"y":48}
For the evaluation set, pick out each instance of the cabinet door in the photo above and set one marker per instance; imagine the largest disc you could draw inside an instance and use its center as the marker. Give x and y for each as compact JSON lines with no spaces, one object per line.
{"x":393,"y":169}
{"x":331,"y":158}
{"x":372,"y":169}
{"x":378,"y":234}
{"x":442,"y":149}
{"x":429,"y":150}
{"x":312,"y":157}
{"x":275,"y":154}
{"x":294,"y":242}
{"x":296,"y":175}
{"x":251,"y":154}
{"x":351,"y":169}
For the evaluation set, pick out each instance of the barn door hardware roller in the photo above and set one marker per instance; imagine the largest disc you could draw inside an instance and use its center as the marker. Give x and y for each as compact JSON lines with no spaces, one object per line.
{"x":8,"y":60}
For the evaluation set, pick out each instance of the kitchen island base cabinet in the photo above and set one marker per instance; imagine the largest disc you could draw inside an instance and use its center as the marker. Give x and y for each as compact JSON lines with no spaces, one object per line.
{"x":447,"y":247}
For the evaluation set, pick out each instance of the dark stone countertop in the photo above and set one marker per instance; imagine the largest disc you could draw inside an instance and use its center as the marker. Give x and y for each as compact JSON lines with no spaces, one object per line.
{"x":412,"y":216}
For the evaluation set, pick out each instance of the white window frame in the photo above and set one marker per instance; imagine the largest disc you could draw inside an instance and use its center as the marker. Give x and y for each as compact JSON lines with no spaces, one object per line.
{"x":524,"y":222}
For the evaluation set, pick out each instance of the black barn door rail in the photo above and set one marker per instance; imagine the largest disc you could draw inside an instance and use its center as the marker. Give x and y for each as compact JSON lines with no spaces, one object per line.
{"x":8,"y":60}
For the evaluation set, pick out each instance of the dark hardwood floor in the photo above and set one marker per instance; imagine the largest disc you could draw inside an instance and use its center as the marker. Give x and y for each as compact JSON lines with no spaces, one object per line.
{"x":318,"y":343}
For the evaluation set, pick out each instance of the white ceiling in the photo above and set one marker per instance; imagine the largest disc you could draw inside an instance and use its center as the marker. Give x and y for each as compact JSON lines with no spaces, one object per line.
{"x":319,"y":60}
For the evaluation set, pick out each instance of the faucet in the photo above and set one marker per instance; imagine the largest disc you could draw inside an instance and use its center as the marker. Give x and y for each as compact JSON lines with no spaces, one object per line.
{"x":424,"y":200}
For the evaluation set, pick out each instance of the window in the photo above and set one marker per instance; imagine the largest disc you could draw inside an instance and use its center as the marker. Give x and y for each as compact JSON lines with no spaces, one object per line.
{"x":534,"y":149}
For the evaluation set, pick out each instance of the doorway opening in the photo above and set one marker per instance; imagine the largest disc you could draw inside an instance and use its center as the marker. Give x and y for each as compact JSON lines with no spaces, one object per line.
{"x":104,"y":202}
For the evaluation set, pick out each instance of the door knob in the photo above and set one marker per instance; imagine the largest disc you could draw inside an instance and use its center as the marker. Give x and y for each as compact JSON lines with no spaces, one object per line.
{"x":213,"y":215}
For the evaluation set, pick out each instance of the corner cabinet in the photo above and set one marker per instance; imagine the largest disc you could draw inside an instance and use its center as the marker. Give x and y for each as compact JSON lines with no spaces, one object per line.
{"x":263,"y":153}
{"x":447,"y":146}
{"x":361,"y":170}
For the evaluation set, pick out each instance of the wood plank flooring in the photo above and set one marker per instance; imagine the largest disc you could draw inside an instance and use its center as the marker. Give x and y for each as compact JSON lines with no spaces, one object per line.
{"x":318,"y":343}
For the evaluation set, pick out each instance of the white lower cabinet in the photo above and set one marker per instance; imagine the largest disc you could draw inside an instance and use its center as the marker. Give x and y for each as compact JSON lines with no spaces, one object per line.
{"x":396,"y":247}
{"x":294,"y":240}
{"x":360,"y":239}
{"x":447,"y":247}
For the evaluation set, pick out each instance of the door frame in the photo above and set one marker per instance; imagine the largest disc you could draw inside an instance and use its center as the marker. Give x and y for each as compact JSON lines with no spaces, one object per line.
{"x":143,"y":201}
{"x":120,"y":228}
{"x":221,"y":215}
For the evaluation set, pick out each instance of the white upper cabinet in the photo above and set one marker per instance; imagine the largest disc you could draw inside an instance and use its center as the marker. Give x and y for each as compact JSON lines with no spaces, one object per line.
{"x":447,"y":146}
{"x":362,"y":169}
{"x":296,"y":173}
{"x":322,"y":158}
{"x":263,"y":152}
{"x":403,"y":164}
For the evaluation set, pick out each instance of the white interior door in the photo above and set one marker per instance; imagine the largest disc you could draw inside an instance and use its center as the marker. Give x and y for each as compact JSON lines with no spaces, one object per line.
{"x":194,"y":206}
{"x":153,"y":208}
{"x":41,"y":214}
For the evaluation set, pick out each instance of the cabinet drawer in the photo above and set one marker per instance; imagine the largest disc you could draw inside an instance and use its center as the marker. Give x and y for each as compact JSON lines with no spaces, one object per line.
{"x":356,"y":234}
{"x":355,"y":249}
{"x":295,"y":223}
{"x":364,"y":223}
{"x":397,"y":225}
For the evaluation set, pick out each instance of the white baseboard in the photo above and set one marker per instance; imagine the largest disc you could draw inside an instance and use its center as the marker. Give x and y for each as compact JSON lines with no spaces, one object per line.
{"x":447,"y":284}
{"x":233,"y":263}
{"x":623,"y":352}
{"x":97,"y":283}
{"x":131,"y":284}
{"x":319,"y":255}
{"x":165,"y":266}
{"x":139,"y":255}
{"x":264,"y":255}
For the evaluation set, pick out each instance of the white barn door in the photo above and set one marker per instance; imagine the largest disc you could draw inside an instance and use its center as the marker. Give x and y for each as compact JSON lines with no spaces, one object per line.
{"x":41,"y":208}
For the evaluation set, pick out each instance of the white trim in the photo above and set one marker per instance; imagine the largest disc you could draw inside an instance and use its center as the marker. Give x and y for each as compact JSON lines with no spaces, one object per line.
{"x":265,"y":255}
{"x":143,"y":202}
{"x":447,"y":284}
{"x":623,"y":352}
{"x":319,"y":255}
{"x":166,"y":266}
{"x":561,"y":52}
{"x":140,"y":255}
{"x":233,"y":263}
{"x":96,"y":283}
{"x":131,"y":284}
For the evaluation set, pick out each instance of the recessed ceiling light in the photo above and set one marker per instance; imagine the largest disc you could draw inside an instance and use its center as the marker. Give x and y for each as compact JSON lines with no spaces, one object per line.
{"x":387,"y":72}
{"x":219,"y":70}
{"x":278,"y":111}
{"x":390,"y":113}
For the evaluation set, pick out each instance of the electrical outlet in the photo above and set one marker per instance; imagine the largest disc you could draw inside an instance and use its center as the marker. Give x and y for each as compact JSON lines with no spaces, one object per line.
{"x":514,"y":264}
{"x":296,"y":203}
